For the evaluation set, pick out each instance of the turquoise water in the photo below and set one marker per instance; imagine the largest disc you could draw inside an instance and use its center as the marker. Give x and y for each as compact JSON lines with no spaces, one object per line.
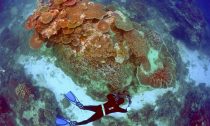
{"x":33,"y":81}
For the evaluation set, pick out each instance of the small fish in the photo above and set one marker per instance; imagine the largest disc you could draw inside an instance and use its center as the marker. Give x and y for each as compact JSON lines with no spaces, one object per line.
{"x":2,"y":70}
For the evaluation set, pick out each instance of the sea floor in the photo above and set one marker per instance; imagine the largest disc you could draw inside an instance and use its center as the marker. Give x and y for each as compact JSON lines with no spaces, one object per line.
{"x":44,"y":73}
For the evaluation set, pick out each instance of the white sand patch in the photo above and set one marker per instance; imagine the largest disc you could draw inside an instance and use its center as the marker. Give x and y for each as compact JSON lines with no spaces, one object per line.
{"x":45,"y":74}
{"x":148,"y":97}
{"x":153,"y":57}
{"x":198,"y":65}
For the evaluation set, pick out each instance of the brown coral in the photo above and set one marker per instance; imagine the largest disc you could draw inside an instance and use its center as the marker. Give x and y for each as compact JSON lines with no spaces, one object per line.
{"x":75,"y":16}
{"x":35,"y":42}
{"x":62,"y":23}
{"x":31,"y":21}
{"x":103,"y":46}
{"x":70,"y":2}
{"x":94,"y":11}
{"x":103,"y":26}
{"x":47,"y":17}
{"x":23,"y":91}
{"x":134,"y":39}
{"x":67,"y":31}
{"x":58,"y":2}
{"x":138,"y":47}
{"x":160,"y":78}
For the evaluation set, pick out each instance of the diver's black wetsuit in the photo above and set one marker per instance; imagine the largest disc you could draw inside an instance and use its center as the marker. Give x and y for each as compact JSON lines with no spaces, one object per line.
{"x":111,"y":106}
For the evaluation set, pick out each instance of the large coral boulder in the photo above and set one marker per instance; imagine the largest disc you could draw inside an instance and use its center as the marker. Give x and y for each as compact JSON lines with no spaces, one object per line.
{"x":101,"y":50}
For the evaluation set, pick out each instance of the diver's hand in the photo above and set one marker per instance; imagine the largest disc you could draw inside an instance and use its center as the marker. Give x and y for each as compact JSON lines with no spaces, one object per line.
{"x":128,"y":109}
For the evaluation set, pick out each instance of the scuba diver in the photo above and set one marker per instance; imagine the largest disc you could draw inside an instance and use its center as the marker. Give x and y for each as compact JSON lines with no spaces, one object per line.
{"x":111,"y":106}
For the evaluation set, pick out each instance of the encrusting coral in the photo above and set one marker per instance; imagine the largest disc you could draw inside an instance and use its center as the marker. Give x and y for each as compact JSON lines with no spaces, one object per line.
{"x":23,"y":91}
{"x":35,"y":41}
{"x":100,"y":49}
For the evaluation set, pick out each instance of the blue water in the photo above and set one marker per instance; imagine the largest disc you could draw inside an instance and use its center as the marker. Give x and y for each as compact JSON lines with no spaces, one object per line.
{"x":204,"y":6}
{"x":186,"y":22}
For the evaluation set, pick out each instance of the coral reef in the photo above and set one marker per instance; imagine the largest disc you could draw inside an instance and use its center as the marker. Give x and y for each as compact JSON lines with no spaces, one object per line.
{"x":42,"y":112}
{"x":144,"y":116}
{"x":166,"y":111}
{"x":111,"y":121}
{"x":36,"y":110}
{"x":168,"y":108}
{"x":100,"y":49}
{"x":195,"y":111}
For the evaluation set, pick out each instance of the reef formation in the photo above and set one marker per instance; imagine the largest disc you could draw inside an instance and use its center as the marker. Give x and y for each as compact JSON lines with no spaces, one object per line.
{"x":101,"y":49}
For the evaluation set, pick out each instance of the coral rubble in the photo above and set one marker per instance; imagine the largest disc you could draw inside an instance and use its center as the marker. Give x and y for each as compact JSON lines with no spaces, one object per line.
{"x":100,"y":49}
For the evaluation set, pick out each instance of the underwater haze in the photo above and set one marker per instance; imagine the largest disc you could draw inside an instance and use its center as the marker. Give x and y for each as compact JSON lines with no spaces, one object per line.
{"x":105,"y":62}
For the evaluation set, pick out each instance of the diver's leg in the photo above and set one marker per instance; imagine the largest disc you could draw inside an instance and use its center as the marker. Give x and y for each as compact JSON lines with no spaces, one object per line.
{"x":94,"y":117}
{"x":72,"y":98}
{"x":91,"y":108}
{"x":80,"y":105}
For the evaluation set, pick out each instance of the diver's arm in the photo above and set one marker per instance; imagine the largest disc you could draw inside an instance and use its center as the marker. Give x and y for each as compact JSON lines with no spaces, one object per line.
{"x":122,"y":110}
